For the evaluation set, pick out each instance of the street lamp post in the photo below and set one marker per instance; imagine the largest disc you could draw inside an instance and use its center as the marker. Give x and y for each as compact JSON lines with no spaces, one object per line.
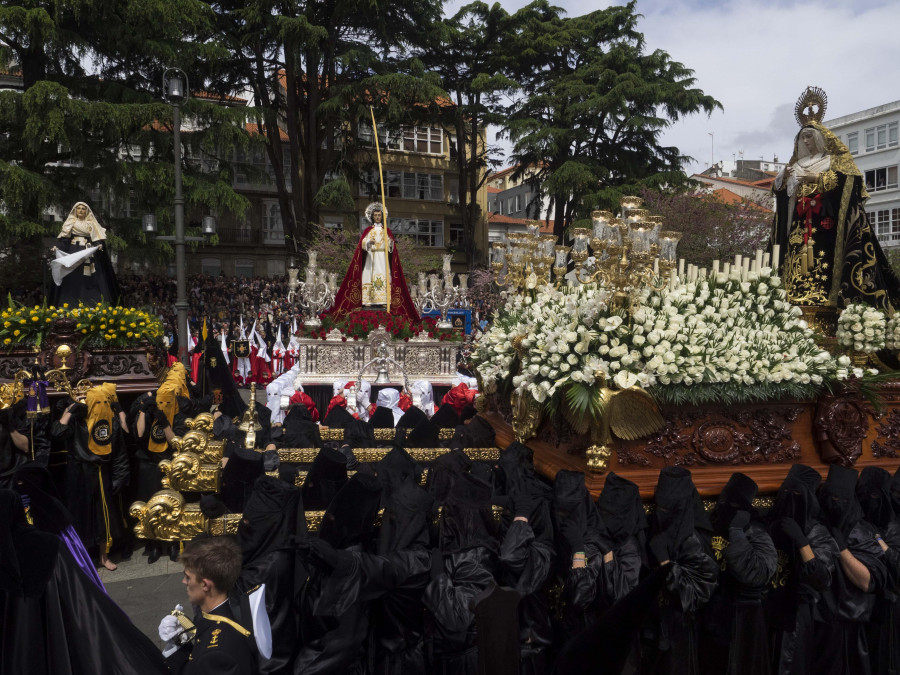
{"x":175,"y":91}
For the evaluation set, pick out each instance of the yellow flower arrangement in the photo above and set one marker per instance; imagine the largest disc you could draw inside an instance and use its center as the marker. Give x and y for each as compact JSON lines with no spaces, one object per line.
{"x":99,"y":325}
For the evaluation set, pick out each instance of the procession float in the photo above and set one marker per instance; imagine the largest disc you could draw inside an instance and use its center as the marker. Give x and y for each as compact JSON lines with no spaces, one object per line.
{"x":636,"y":360}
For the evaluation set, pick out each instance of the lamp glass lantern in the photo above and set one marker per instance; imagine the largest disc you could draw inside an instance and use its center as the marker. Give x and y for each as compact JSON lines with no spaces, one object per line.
{"x":149,"y":223}
{"x":209,"y":225}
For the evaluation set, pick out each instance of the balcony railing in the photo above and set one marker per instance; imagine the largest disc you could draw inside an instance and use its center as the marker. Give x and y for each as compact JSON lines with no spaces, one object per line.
{"x":248,"y":236}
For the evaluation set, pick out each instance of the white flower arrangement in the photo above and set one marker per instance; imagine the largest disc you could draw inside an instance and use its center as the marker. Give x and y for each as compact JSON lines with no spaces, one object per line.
{"x":892,"y":333}
{"x":862,"y":328}
{"x":725,"y":338}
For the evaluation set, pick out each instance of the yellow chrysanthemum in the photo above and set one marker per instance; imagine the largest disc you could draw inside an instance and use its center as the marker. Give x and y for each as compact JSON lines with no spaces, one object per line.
{"x":17,"y":332}
{"x":7,"y":341}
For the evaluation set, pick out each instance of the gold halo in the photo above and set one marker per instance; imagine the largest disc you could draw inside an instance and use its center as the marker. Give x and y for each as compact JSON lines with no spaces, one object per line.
{"x":811,"y":106}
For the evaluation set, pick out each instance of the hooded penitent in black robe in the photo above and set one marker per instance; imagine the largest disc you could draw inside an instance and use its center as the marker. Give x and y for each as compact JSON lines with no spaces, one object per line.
{"x":411,"y":418}
{"x":841,"y":645}
{"x":402,"y":562}
{"x":733,"y":633}
{"x":792,"y":606}
{"x":527,"y":553}
{"x":298,"y":429}
{"x":273,"y":519}
{"x":333,"y":621}
{"x":577,"y":526}
{"x":623,"y":533}
{"x":338,"y":418}
{"x":681,"y":532}
{"x":468,"y":549}
{"x":55,"y":620}
{"x":326,"y":476}
{"x":92,"y":481}
{"x":873,"y":491}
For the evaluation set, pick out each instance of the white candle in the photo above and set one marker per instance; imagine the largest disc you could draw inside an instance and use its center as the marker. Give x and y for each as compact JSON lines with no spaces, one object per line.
{"x":746,"y":267}
{"x":715,"y":267}
{"x":776,"y":256}
{"x":765,"y":262}
{"x":702,"y":273}
{"x":726,"y":268}
{"x":681,"y":267}
{"x":672,"y":280}
{"x":656,"y":266}
{"x":738,"y":260}
{"x":759,"y":258}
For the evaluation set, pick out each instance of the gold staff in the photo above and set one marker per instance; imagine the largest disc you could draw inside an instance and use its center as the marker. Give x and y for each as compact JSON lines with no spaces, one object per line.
{"x":387,"y":263}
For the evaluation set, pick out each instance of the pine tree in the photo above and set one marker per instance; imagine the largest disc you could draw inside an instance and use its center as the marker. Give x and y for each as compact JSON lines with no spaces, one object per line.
{"x":593,"y":106}
{"x":89,"y":122}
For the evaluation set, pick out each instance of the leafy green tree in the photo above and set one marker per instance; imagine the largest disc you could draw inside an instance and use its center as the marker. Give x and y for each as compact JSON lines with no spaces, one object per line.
{"x":593,"y":105}
{"x":89,"y":124}
{"x":471,"y":52}
{"x":314,"y":68}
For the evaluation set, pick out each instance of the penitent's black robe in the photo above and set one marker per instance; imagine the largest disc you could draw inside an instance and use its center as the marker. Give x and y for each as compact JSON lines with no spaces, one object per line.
{"x":792,"y":606}
{"x":842,"y":646}
{"x":56,"y":621}
{"x":733,"y":620}
{"x":92,"y":481}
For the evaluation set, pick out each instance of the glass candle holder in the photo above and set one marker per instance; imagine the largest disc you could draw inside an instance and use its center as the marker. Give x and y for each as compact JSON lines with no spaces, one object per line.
{"x":668,"y":244}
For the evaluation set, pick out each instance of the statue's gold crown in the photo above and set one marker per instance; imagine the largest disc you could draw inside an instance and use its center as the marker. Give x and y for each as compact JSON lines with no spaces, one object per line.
{"x":811,"y":106}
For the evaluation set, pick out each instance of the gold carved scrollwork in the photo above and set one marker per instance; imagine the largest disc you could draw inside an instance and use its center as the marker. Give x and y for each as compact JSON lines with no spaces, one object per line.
{"x":188,"y":473}
{"x":368,"y":455}
{"x":526,"y":415}
{"x":329,"y":434}
{"x":166,"y":517}
{"x":202,"y":422}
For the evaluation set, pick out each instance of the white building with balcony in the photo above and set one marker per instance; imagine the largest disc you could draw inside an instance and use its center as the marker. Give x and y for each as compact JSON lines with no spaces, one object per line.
{"x":872,"y":138}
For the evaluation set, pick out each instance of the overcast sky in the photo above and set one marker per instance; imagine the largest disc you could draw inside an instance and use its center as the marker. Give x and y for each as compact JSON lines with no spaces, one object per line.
{"x":757,"y":56}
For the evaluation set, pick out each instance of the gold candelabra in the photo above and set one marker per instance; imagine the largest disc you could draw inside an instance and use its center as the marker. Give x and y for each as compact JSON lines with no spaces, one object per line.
{"x":630,"y":252}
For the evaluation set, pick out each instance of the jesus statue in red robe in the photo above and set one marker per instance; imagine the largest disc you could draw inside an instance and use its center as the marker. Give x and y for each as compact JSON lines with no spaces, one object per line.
{"x":375,"y":278}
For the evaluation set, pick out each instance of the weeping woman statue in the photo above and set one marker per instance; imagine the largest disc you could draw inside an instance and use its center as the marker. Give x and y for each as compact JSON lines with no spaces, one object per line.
{"x":830,"y":256}
{"x":81,"y":268}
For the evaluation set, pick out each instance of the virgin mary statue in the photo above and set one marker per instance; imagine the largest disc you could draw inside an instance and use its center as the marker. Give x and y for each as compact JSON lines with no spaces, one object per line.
{"x":374,"y":279}
{"x":830,"y":254}
{"x":80,"y":268}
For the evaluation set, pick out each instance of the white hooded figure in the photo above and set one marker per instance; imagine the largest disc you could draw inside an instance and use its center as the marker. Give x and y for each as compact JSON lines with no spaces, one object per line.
{"x":390,"y":398}
{"x":281,"y":386}
{"x":278,"y":352}
{"x":426,"y":395}
{"x":363,"y":399}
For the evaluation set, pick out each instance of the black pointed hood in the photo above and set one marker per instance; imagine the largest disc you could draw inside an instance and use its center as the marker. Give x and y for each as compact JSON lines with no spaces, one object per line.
{"x":837,"y":498}
{"x":338,"y":418}
{"x":796,"y":498}
{"x":467,"y":519}
{"x":621,"y":509}
{"x":350,"y":518}
{"x":273,"y":513}
{"x":873,"y":491}
{"x":325,"y":478}
{"x":737,"y":495}
{"x":679,"y":509}
{"x":445,"y":417}
{"x":411,"y":418}
{"x":408,"y":512}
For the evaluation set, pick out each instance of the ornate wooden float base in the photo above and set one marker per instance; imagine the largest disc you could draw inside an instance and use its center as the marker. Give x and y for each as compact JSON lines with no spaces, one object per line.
{"x":762,"y":440}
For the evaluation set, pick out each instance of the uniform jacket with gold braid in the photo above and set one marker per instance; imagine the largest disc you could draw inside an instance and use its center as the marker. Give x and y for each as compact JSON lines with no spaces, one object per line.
{"x":221,"y":646}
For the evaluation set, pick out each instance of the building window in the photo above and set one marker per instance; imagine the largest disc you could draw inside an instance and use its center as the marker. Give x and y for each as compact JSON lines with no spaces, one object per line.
{"x":882,"y":136}
{"x":392,"y":140}
{"x":404,"y":185}
{"x":884,"y":178}
{"x":853,"y":142}
{"x":243,"y":267}
{"x":424,"y":139}
{"x":424,"y":232}
{"x":334,"y":222}
{"x":456,"y":235}
{"x":887,"y":225}
{"x":273,"y":230}
{"x":275,"y":267}
{"x":211,"y":267}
